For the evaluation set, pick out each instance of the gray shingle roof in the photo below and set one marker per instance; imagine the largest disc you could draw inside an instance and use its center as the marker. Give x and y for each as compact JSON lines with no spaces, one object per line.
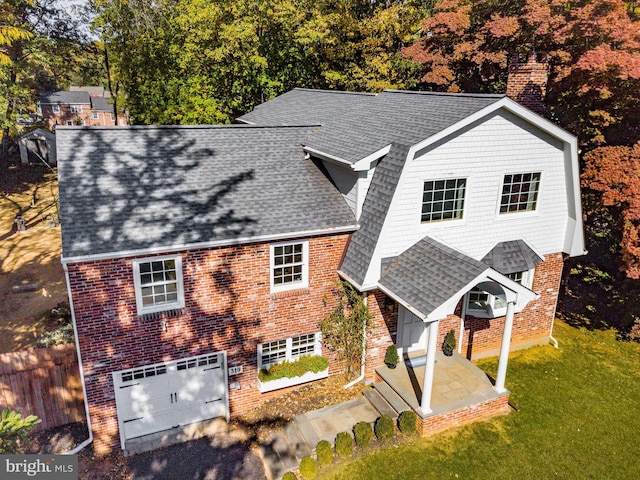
{"x":374,"y":211}
{"x":64,"y":97}
{"x":101,"y":104}
{"x":357,"y":125}
{"x":302,"y":106}
{"x":511,"y":257}
{"x":428,"y":273}
{"x":139,"y":188}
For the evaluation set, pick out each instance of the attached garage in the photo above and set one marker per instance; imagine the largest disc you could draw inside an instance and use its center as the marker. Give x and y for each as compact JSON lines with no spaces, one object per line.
{"x":158,"y":397}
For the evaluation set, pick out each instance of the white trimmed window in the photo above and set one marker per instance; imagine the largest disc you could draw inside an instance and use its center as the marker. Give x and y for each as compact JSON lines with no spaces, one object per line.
{"x":69,"y":122}
{"x":55,"y":108}
{"x":95,"y":115}
{"x":485,"y":305}
{"x":75,"y":108}
{"x":113,"y":117}
{"x":158,"y":284}
{"x":289,"y":266}
{"x":288,"y":349}
{"x":443,"y":199}
{"x":519,"y":192}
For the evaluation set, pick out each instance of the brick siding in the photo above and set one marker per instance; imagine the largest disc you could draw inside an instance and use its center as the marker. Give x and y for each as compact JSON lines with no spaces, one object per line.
{"x":229,"y":308}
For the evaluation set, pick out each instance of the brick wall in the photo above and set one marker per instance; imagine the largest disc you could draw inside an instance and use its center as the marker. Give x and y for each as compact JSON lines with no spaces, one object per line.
{"x":229,"y":308}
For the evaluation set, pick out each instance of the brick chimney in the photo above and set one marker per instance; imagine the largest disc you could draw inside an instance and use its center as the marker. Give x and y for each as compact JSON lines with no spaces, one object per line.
{"x":527,"y":82}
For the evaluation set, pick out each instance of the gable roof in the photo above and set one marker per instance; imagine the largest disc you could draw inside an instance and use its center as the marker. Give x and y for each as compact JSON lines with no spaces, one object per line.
{"x":147,"y":189}
{"x":64,"y":97}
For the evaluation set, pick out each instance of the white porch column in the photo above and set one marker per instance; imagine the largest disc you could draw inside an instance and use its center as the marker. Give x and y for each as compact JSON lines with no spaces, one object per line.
{"x":427,"y":383}
{"x":463,"y":314}
{"x":504,"y":350}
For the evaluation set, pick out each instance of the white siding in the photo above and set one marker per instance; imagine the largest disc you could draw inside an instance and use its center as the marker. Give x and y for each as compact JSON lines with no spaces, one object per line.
{"x":483,"y":154}
{"x":363,"y":187}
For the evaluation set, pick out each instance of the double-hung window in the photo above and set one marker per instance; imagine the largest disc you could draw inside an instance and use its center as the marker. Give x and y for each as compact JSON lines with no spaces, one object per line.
{"x":443,"y":199}
{"x":55,"y":108}
{"x":75,"y":108}
{"x":289,"y":265}
{"x":288,"y":349}
{"x":95,"y":116}
{"x":158,"y":284}
{"x":519,"y":192}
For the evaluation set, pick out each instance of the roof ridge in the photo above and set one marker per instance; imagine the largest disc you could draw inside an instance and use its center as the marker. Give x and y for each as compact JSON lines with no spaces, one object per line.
{"x":335,"y":91}
{"x":183,"y":127}
{"x":448,"y":94}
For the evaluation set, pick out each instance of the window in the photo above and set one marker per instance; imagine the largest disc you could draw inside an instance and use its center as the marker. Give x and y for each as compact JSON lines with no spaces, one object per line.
{"x":95,"y":115}
{"x":288,"y":349}
{"x":69,"y":122}
{"x":55,"y":108}
{"x":519,"y":192}
{"x":113,"y":117}
{"x":289,"y":266}
{"x":443,"y":199}
{"x":483,"y":304}
{"x":75,"y":108}
{"x":158,"y":284}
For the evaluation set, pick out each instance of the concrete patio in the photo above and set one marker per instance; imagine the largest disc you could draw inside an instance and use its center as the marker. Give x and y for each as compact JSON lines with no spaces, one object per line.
{"x":457,"y":383}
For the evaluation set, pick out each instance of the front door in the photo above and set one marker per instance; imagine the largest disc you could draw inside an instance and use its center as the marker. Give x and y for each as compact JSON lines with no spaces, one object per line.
{"x":412,"y":332}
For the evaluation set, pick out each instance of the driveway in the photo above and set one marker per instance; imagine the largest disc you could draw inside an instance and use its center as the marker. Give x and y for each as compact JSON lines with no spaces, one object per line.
{"x":206,"y":458}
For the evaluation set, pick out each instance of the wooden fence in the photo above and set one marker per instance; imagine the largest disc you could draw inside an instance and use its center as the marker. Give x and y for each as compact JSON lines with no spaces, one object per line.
{"x":44,"y":382}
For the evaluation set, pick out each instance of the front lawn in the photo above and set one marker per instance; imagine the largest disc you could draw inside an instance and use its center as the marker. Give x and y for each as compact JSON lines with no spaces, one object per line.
{"x":578,"y":418}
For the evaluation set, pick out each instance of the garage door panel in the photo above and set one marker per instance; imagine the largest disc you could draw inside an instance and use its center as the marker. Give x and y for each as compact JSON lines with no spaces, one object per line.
{"x":155,"y":398}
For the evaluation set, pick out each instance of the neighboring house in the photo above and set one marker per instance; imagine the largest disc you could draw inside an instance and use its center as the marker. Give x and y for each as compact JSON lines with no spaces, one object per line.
{"x":197,"y":255}
{"x":87,"y":106}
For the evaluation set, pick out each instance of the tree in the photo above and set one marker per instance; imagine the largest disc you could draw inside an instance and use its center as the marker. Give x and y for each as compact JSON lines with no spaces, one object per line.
{"x":593,"y":48}
{"x":37,"y":40}
{"x":15,"y":431}
{"x":344,"y":329}
{"x":614,"y":172}
{"x":202,"y":61}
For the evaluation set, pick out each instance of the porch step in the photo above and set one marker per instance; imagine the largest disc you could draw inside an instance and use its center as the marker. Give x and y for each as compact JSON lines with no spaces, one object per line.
{"x":297,"y":441}
{"x":272,"y":460}
{"x":392,"y":398}
{"x":379,"y":403}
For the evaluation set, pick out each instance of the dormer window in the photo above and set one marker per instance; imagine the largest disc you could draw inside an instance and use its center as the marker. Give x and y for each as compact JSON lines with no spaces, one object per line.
{"x":519,"y":192}
{"x":485,"y":305}
{"x":443,"y":199}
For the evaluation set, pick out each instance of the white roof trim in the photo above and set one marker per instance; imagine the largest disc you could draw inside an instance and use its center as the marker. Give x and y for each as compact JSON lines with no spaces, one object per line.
{"x":218,"y":243}
{"x":361,"y":165}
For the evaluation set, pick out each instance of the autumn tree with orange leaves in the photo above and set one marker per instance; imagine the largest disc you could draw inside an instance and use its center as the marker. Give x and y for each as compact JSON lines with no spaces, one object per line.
{"x":592,"y":46}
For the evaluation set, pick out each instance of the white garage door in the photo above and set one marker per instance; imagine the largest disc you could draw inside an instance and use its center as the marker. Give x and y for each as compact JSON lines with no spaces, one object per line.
{"x":158,"y":397}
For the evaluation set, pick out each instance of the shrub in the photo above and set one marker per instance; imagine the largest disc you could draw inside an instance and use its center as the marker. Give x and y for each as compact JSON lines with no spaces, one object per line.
{"x":59,"y":336}
{"x":391,"y":358}
{"x":14,"y":431}
{"x":344,"y":445}
{"x":408,"y":422}
{"x":362,"y":433}
{"x":306,"y":363}
{"x":289,"y":476}
{"x":308,"y":467}
{"x":324,"y":452}
{"x":449,"y":343}
{"x":384,"y":427}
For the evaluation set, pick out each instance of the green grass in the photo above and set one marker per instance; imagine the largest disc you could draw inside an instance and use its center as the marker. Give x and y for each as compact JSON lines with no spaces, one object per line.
{"x":578,"y":418}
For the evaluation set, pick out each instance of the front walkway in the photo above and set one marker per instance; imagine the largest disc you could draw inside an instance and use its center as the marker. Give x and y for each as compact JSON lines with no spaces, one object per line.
{"x":457,"y":383}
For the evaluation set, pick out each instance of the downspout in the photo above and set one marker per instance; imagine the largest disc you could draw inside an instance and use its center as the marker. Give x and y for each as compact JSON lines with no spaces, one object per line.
{"x":81,"y":370}
{"x":364,"y":350}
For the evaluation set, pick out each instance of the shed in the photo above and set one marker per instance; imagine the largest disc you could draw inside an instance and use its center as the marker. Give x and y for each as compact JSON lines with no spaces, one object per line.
{"x":37,"y":146}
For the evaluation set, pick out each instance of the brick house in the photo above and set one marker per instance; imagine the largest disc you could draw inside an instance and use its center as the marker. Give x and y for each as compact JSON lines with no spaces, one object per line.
{"x":87,"y":106}
{"x":197,"y":255}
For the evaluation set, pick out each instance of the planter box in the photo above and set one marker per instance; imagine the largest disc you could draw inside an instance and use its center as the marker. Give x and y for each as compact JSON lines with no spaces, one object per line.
{"x":289,"y":382}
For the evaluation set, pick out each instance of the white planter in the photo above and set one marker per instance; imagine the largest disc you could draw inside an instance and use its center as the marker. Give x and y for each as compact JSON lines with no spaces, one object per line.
{"x":289,"y":382}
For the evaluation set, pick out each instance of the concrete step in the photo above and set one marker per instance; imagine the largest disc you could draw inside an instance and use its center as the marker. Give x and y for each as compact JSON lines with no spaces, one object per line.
{"x":379,"y":403}
{"x":283,"y":449}
{"x":297,"y":441}
{"x":392,"y":398}
{"x":272,"y":460}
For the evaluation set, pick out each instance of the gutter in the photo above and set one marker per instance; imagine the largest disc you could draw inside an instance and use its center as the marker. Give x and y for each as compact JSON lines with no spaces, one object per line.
{"x":81,"y":369}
